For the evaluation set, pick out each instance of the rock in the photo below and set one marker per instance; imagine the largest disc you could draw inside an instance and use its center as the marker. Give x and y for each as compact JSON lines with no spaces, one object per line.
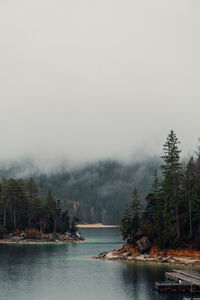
{"x":76,"y":236}
{"x":79,"y":235}
{"x":128,"y":255}
{"x":103,"y":254}
{"x":14,"y":239}
{"x":55,"y":236}
{"x":52,"y":239}
{"x":42,"y":238}
{"x":144,"y":245}
{"x":164,"y":260}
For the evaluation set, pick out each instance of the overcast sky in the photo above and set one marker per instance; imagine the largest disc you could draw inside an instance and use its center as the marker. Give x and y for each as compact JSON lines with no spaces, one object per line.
{"x":92,"y":79}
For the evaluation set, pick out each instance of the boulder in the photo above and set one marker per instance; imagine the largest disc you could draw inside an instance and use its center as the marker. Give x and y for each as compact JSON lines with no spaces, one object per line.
{"x":76,"y":236}
{"x":52,"y":239}
{"x":103,"y":254}
{"x":14,"y":239}
{"x":144,"y":245}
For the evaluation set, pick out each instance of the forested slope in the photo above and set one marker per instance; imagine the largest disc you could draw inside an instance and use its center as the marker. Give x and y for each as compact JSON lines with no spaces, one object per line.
{"x":96,"y":192}
{"x":171,"y":216}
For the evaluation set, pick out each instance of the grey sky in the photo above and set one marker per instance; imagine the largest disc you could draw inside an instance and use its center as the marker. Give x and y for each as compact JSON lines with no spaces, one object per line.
{"x":91,"y":79}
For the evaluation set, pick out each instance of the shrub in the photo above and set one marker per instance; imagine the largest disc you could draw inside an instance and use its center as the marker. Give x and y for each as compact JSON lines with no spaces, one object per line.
{"x":33,"y":234}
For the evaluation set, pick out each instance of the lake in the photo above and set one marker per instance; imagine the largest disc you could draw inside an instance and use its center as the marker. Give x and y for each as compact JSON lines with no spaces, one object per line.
{"x":50,"y":272}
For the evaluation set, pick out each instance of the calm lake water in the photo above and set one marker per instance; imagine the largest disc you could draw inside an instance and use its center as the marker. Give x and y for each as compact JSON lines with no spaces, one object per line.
{"x":49,"y":272}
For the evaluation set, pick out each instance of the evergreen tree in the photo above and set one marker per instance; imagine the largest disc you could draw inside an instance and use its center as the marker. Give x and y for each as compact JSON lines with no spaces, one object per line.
{"x":195,"y":198}
{"x":21,"y":208}
{"x":65,"y":222}
{"x":74,"y":222}
{"x":125,"y":225}
{"x":152,"y":200}
{"x":130,"y":223}
{"x":152,"y":217}
{"x":171,"y":170}
{"x":51,"y":212}
{"x":188,"y":186}
{"x":32,"y":194}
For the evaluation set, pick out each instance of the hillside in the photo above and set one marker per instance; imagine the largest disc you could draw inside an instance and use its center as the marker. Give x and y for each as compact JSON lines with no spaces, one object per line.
{"x":95,"y":192}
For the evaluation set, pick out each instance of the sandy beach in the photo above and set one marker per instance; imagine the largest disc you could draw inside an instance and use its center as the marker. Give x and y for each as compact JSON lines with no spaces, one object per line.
{"x":97,"y":225}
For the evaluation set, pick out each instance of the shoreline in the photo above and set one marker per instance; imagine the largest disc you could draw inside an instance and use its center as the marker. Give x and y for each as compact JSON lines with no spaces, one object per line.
{"x":172,"y":257}
{"x":31,"y":242}
{"x":96,"y":225}
{"x":42,"y":239}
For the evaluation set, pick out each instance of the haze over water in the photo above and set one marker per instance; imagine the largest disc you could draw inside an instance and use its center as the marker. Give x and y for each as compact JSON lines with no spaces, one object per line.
{"x":86,"y":80}
{"x":52,"y":272}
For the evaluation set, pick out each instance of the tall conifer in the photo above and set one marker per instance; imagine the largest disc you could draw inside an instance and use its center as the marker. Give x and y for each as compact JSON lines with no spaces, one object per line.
{"x":171,"y":170}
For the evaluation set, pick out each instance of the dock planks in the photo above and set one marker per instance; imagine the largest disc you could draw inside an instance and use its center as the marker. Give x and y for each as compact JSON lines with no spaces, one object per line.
{"x":182,"y":278}
{"x":192,"y":274}
{"x":180,"y":281}
{"x":175,"y":287}
{"x":191,"y":298}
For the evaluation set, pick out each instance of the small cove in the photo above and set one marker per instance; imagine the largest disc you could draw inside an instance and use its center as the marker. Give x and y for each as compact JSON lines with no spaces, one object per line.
{"x":48,"y":272}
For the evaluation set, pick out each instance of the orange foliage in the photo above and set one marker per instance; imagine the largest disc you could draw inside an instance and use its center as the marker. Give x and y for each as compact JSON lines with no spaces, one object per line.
{"x":127,"y":248}
{"x":33,"y":234}
{"x":187,"y":252}
{"x":184,"y":252}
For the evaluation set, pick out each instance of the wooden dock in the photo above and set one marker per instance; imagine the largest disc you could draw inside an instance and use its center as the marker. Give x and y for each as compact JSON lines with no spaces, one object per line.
{"x":185,"y":277}
{"x":176,"y":287}
{"x":190,"y":298}
{"x":192,"y":274}
{"x":180,"y":281}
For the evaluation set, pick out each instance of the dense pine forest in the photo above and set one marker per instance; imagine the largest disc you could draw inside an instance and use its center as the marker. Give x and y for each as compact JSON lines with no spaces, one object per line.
{"x":171,"y":214}
{"x":96,"y":192}
{"x":22,"y":208}
{"x":164,"y":205}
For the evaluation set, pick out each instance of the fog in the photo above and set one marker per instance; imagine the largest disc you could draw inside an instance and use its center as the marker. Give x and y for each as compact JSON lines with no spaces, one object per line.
{"x":86,"y":79}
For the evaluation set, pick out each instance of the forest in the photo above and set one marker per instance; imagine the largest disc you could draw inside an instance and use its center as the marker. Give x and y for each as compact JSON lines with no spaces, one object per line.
{"x":21,"y":208}
{"x":95,"y":192}
{"x":170,"y":216}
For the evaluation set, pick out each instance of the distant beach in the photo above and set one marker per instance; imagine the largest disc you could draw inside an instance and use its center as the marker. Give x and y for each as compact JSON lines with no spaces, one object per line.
{"x":96,"y":225}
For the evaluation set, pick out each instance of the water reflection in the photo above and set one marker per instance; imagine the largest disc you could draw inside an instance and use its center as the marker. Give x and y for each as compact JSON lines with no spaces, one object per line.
{"x":22,"y":263}
{"x":48,"y":272}
{"x":139,"y":279}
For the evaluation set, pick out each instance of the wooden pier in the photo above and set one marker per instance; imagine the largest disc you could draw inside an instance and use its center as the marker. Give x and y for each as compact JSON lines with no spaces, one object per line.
{"x":192,"y":274}
{"x":183,"y":276}
{"x":180,"y":281}
{"x":190,"y":298}
{"x":176,"y":287}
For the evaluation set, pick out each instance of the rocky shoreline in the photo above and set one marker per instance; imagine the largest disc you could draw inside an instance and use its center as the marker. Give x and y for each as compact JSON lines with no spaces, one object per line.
{"x":147,"y":258}
{"x":52,"y":238}
{"x":144,"y":253}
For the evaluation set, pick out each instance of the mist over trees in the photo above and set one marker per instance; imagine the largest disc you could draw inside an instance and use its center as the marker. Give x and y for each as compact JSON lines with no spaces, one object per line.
{"x":96,"y":192}
{"x":161,"y":197}
{"x":171,"y":214}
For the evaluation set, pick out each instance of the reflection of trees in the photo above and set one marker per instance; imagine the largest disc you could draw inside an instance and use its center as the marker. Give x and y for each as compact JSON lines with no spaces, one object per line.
{"x":139,"y":280}
{"x":24,"y":262}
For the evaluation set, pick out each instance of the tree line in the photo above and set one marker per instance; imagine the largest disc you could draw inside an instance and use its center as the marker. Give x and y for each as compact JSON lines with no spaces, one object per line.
{"x":97,"y":192}
{"x":94,"y":192}
{"x":21,"y":208}
{"x":171,"y":214}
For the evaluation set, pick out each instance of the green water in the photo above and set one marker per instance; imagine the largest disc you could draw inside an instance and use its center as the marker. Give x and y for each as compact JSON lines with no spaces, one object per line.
{"x":49,"y":272}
